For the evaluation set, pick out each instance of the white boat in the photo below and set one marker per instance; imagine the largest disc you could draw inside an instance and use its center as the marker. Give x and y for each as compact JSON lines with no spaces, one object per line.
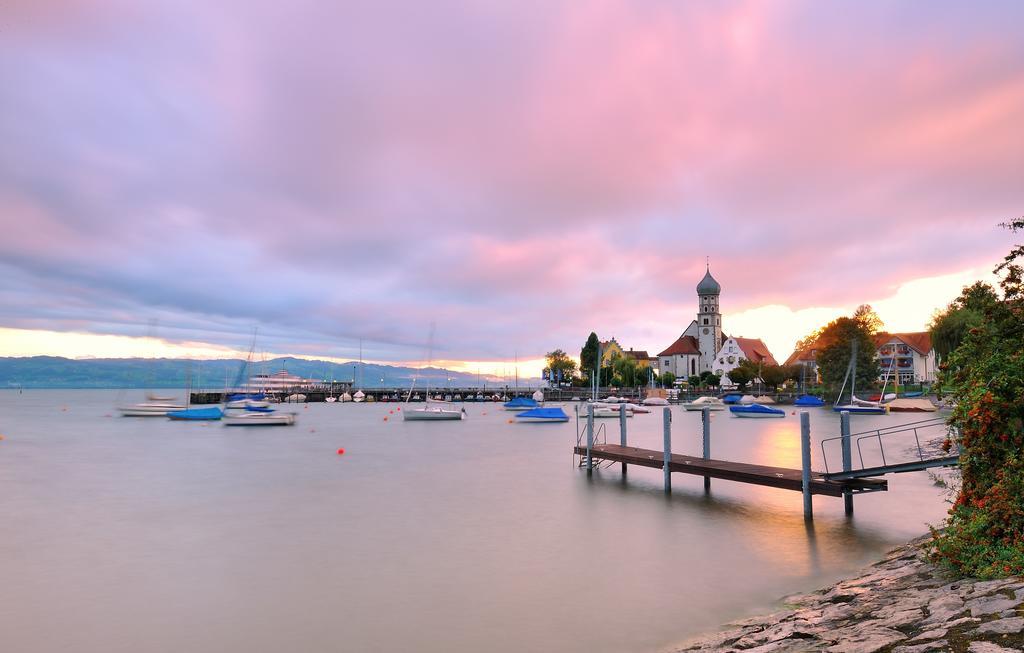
{"x":152,"y":409}
{"x":331,"y":400}
{"x":433,"y":412}
{"x":611,"y":411}
{"x":700,"y":403}
{"x":746,"y":400}
{"x":764,"y":400}
{"x":259,"y":419}
{"x":359,"y":396}
{"x":297,"y":398}
{"x":655,"y":401}
{"x":538,"y":396}
{"x":637,"y":408}
{"x":346,"y":397}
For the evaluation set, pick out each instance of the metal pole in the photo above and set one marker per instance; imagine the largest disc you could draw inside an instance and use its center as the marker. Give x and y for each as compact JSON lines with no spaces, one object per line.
{"x":705,"y":416}
{"x":844,"y":428}
{"x":667,"y":459}
{"x":590,"y":438}
{"x":805,"y":458}
{"x":622,"y":431}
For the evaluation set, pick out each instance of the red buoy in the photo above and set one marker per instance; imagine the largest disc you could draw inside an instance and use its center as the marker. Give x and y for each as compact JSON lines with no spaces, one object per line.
{"x":341,"y":452}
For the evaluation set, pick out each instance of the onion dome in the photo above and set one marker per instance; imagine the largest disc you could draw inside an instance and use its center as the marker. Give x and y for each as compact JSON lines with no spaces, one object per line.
{"x":708,"y":285}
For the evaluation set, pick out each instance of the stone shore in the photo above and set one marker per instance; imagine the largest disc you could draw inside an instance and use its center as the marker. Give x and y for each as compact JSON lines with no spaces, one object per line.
{"x":902,"y":604}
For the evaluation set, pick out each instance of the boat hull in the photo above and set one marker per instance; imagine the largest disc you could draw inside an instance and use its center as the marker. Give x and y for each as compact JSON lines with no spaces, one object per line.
{"x":148,"y":410}
{"x":424,"y":415}
{"x":756,"y":411}
{"x":862,"y":410}
{"x":700,"y":407}
{"x":197,"y":415}
{"x":259,"y":419}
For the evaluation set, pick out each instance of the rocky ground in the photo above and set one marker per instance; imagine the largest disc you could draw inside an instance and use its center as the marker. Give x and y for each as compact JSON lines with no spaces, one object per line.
{"x":902,"y":604}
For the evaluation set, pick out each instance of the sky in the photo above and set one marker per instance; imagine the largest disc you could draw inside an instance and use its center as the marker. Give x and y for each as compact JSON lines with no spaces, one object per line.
{"x":517,"y":174}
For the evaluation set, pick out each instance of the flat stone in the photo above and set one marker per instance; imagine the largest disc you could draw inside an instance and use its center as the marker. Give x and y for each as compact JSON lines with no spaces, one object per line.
{"x":935,"y":633}
{"x":988,"y":586}
{"x":787,"y":646}
{"x":990,"y":605}
{"x":923,"y":648}
{"x":989,"y":647}
{"x":944,"y":608}
{"x":862,"y":639}
{"x":1002,"y":626}
{"x":902,"y":618}
{"x":777,"y":632}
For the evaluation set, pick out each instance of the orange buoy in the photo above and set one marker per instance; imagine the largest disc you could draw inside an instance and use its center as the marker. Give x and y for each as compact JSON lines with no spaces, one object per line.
{"x":341,"y":452}
{"x":1,"y":437}
{"x":510,"y":421}
{"x":385,"y":418}
{"x":399,"y":408}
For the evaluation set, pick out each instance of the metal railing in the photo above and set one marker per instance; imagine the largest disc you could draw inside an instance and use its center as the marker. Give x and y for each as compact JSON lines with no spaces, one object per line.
{"x":897,"y":461}
{"x":600,"y":437}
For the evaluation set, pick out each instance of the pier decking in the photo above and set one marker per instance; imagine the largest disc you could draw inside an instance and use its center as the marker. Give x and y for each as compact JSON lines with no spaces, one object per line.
{"x":777,"y":477}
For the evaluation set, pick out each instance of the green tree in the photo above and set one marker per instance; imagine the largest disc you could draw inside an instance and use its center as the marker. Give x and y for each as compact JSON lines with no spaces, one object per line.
{"x":834,"y":358}
{"x":626,"y":370}
{"x":588,"y":356}
{"x":709,"y":379}
{"x":773,"y":375}
{"x":743,"y":374}
{"x":964,"y":313}
{"x":868,"y":318}
{"x":559,"y":363}
{"x":984,"y":535}
{"x":667,"y":379}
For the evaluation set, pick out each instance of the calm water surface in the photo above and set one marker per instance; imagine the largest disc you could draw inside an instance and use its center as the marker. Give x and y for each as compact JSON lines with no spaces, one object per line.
{"x":140,"y":535}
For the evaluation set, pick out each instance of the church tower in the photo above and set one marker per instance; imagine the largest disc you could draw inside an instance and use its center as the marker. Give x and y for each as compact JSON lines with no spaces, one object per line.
{"x":709,"y":320}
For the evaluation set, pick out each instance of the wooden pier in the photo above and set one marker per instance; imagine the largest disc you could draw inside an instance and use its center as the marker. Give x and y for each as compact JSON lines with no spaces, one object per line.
{"x":777,"y":477}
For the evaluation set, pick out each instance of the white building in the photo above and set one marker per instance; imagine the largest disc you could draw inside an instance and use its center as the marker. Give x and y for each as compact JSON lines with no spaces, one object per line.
{"x":736,"y":350}
{"x":914,"y":357}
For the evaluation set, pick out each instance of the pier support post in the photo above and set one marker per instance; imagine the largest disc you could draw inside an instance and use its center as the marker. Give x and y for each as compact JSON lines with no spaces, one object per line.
{"x":668,"y":448}
{"x":622,"y":432}
{"x":590,"y":437}
{"x":844,"y":428}
{"x":805,"y":459}
{"x":705,"y":418}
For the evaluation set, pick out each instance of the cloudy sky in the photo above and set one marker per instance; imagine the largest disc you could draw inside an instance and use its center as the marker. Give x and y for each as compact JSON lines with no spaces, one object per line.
{"x":518,"y":173}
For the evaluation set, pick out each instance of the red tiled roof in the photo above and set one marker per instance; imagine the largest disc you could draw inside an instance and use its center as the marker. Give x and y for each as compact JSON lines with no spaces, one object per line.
{"x":756,"y":351}
{"x":919,"y":341}
{"x":640,"y":355}
{"x":684,"y":345}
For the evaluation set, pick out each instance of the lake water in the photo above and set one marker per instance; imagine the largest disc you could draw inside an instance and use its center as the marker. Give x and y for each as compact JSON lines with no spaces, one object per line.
{"x":146,"y":535}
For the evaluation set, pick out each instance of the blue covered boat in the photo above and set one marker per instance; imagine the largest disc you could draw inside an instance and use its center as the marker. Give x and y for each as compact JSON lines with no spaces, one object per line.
{"x":732,"y":398}
{"x":521,"y":403}
{"x":197,"y":414}
{"x":542,"y":415}
{"x":808,"y":400}
{"x":756,"y":410}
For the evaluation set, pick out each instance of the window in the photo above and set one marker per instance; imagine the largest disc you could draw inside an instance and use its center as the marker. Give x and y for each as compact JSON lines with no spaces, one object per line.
{"x":732,"y":359}
{"x":705,"y":322}
{"x":721,"y":361}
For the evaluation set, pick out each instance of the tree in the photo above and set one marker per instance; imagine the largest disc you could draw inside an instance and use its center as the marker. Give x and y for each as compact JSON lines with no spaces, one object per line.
{"x":868,"y":318}
{"x":626,"y":370}
{"x":984,"y":535}
{"x":773,"y":375}
{"x":560,"y":365}
{"x":709,"y":379}
{"x":743,"y":374}
{"x":588,"y":356}
{"x":964,"y":313}
{"x":667,"y":379}
{"x":834,"y":359}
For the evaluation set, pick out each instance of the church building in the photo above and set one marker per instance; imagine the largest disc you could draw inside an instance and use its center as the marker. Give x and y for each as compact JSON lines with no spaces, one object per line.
{"x":702,"y":345}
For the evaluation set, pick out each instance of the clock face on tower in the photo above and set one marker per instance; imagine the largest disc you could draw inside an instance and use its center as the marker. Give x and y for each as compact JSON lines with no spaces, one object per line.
{"x":707,"y":331}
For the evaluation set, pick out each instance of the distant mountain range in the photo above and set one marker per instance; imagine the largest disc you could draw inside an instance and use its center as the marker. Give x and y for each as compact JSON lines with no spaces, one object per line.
{"x":58,"y":372}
